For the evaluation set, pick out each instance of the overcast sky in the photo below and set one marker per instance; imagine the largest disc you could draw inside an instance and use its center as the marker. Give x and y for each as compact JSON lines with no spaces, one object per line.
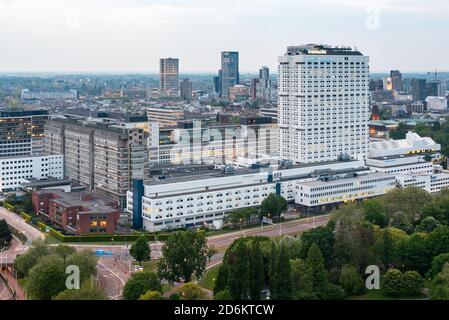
{"x":131,"y":35}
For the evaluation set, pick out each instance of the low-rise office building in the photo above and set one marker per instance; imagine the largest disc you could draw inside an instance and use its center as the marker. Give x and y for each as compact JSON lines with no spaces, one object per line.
{"x":17,"y":169}
{"x":193,"y":199}
{"x":77,"y":212}
{"x":432,"y":183}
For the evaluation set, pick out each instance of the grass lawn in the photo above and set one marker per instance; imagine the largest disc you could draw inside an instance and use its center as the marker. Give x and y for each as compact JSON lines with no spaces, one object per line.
{"x":208,"y":281}
{"x":380,"y":295}
{"x":150,"y":265}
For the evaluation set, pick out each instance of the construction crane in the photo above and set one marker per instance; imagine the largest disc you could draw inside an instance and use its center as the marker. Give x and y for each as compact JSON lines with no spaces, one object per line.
{"x":435,"y":72}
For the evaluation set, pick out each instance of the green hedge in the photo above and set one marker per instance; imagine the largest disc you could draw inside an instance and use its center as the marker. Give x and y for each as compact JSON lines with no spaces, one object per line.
{"x":85,"y":238}
{"x":103,"y":237}
{"x":8,"y":205}
{"x":25,"y":216}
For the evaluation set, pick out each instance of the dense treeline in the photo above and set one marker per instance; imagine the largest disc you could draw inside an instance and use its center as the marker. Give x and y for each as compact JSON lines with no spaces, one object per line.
{"x":405,"y":233}
{"x":43,"y":269}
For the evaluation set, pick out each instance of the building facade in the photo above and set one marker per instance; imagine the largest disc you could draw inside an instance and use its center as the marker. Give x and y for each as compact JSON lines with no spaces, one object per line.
{"x":169,"y":77}
{"x":217,"y":144}
{"x":22,"y":132}
{"x":186,"y":90}
{"x":103,"y":158}
{"x":76,"y":212}
{"x":194,"y":200}
{"x":165,"y":116}
{"x":323,"y":104}
{"x":229,"y":72}
{"x":17,"y":169}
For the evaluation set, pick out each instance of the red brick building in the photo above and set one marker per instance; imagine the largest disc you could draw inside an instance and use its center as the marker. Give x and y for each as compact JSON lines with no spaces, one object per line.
{"x":77,"y":212}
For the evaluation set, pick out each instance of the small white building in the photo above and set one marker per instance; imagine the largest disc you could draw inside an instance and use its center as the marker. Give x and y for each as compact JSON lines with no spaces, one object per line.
{"x":413,"y":144}
{"x":316,"y":193}
{"x":436,"y":104}
{"x":401,"y":165}
{"x":17,"y":169}
{"x":432,"y":183}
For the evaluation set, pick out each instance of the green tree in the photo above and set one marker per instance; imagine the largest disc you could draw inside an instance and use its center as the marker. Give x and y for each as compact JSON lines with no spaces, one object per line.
{"x":223,"y":295}
{"x":5,"y":234}
{"x":386,"y":247}
{"x":400,"y":131}
{"x":413,"y":253}
{"x":438,"y":208}
{"x":413,"y":283}
{"x":374,"y":212}
{"x":86,"y":292}
{"x":184,"y":253}
{"x":64,"y":251}
{"x":151,"y":295}
{"x":140,"y":283}
{"x":438,"y":241}
{"x":140,"y":250}
{"x":297,"y":276}
{"x":24,"y":262}
{"x":222,"y":278}
{"x":322,"y":236}
{"x":85,"y":261}
{"x":428,"y":224}
{"x":191,"y":291}
{"x":411,"y":201}
{"x":351,"y":281}
{"x":355,"y":244}
{"x":440,"y":285}
{"x":316,"y":278}
{"x":437,"y":265}
{"x":240,"y":217}
{"x":256,"y":280}
{"x":393,"y":284}
{"x":401,"y":221}
{"x":47,"y":278}
{"x":273,"y":205}
{"x":281,"y":285}
{"x":239,"y":272}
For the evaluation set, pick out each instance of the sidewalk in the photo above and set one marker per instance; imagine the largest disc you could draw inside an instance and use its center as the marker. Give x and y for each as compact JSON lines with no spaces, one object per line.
{"x":13,"y":284}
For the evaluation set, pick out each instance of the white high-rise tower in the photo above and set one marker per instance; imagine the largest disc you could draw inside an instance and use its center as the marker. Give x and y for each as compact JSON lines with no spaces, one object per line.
{"x":323,"y":103}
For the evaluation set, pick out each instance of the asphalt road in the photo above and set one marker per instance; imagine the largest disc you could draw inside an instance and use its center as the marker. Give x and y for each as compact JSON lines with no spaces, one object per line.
{"x":113,"y":271}
{"x":20,"y":224}
{"x":5,"y":294}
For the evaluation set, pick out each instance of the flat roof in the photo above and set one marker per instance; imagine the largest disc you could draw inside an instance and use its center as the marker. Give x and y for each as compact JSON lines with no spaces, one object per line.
{"x":184,"y":176}
{"x":73,"y":199}
{"x":49,"y":182}
{"x":376,"y":175}
{"x":32,"y":155}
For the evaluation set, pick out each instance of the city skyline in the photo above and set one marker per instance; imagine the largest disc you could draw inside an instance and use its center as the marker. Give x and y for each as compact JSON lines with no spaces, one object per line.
{"x":131,"y":36}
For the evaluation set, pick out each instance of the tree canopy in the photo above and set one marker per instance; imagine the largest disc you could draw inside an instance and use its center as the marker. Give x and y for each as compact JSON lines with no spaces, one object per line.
{"x":184,"y":253}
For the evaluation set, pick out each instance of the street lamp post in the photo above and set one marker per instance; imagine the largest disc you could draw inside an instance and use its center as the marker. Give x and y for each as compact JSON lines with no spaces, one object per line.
{"x":280,"y":228}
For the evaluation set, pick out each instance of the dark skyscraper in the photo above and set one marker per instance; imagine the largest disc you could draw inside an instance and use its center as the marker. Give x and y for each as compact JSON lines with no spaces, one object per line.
{"x":229,"y":72}
{"x":186,"y":90}
{"x":264,"y":73}
{"x":396,"y":78}
{"x":217,"y":83}
{"x":418,"y":89}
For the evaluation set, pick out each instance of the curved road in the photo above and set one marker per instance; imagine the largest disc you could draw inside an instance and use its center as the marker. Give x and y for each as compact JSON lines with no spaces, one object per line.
{"x":114,"y":271}
{"x":5,"y":293}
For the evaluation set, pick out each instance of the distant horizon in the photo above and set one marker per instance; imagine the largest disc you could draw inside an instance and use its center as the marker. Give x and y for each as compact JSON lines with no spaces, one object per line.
{"x":130,"y":36}
{"x":118,"y":72}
